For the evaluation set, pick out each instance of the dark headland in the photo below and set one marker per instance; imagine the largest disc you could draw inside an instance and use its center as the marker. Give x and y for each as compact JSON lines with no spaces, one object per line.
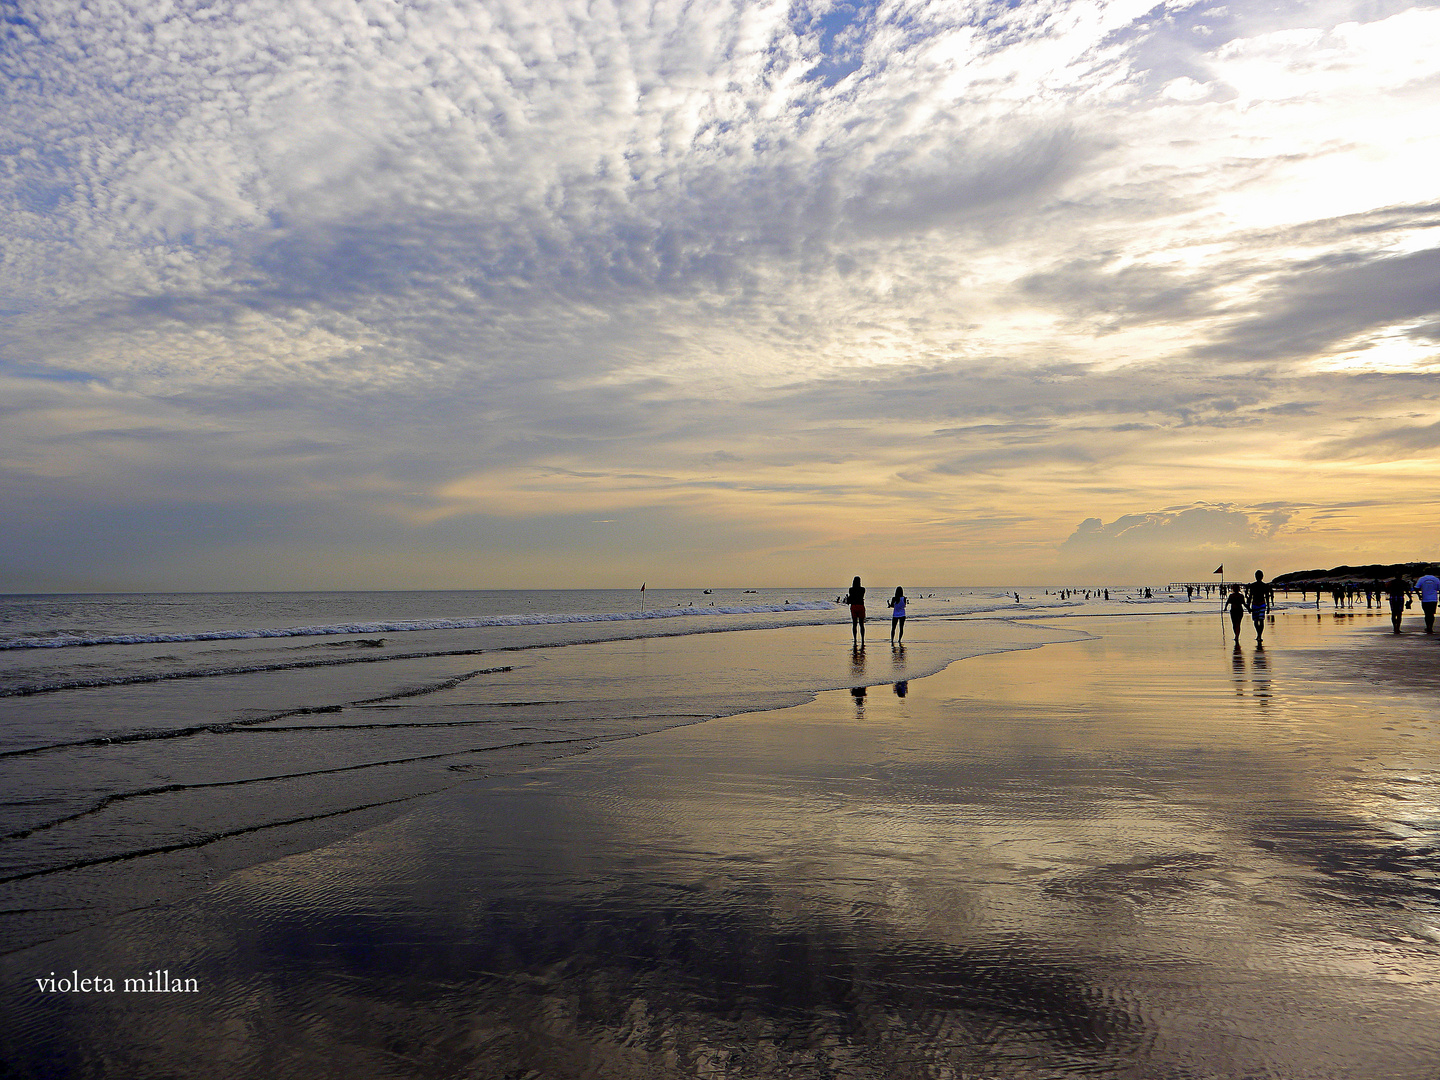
{"x":1368,"y":572}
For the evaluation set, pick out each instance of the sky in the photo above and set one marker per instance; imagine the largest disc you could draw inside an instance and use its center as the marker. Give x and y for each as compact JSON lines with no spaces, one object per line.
{"x":338,"y":294}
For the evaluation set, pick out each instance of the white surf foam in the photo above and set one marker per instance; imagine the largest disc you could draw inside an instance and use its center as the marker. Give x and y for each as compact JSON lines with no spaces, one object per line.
{"x":59,"y":640}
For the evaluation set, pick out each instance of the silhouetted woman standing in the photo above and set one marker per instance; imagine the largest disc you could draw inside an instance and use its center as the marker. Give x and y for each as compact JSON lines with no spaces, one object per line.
{"x":1236,"y":605}
{"x":856,"y":599}
{"x":897,"y":614}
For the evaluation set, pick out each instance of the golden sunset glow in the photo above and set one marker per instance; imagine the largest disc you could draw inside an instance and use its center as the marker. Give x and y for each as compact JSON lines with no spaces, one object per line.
{"x":356,"y":295}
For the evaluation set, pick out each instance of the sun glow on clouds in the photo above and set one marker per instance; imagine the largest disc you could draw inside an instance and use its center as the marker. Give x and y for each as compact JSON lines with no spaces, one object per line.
{"x":306,"y":282}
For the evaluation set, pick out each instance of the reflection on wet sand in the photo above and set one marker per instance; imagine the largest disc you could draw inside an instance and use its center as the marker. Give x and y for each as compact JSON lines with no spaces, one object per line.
{"x":1141,"y":855}
{"x":1252,"y":673}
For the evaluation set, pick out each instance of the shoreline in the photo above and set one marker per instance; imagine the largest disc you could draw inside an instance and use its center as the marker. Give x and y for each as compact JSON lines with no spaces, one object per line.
{"x":335,"y":749}
{"x":1137,"y":850}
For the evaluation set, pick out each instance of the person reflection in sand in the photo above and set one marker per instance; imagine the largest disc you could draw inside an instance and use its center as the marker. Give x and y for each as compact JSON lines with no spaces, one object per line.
{"x":1260,"y":674}
{"x":1257,"y":678}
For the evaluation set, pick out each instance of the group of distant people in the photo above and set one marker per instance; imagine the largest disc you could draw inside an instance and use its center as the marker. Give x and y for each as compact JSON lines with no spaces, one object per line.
{"x":1257,"y":597}
{"x":1397,"y":592}
{"x":1254,"y":599}
{"x":856,"y":599}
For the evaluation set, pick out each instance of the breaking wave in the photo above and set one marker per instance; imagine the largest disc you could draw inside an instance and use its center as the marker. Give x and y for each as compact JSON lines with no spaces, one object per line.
{"x":71,"y":639}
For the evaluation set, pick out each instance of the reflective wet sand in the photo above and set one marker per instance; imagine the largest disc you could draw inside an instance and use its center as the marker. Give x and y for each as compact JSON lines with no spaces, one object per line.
{"x":119,"y":795}
{"x":1144,"y":854}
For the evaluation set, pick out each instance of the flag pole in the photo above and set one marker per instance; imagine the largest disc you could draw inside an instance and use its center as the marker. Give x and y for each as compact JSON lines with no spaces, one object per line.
{"x":1221,"y":571}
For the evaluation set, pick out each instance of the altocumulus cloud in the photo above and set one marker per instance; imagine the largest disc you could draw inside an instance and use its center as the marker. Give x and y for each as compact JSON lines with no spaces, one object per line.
{"x":1181,"y":540}
{"x":1205,"y":526}
{"x":340,"y":282}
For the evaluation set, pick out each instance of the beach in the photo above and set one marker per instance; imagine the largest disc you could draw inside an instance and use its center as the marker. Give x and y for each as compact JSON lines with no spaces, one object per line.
{"x":178,"y":738}
{"x":1100,"y":843}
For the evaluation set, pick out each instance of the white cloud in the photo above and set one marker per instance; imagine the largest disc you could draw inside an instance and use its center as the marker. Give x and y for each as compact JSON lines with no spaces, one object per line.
{"x":452,"y":244}
{"x":1199,"y":526}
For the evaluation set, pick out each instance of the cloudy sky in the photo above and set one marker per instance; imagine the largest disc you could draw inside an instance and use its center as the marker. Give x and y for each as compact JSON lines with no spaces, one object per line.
{"x":516,"y":293}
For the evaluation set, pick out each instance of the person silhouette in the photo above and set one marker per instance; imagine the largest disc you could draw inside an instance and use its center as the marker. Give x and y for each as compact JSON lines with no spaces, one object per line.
{"x":1397,"y":590}
{"x":856,"y":599}
{"x":1235,"y":604}
{"x":1428,"y":586}
{"x":1260,"y":594}
{"x":897,"y":613}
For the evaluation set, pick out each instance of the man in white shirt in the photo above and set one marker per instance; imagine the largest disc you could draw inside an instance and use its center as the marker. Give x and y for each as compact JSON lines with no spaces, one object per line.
{"x":1429,"y":589}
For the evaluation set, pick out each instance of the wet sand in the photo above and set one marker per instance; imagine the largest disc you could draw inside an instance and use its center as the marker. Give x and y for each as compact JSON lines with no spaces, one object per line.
{"x":1144,"y":853}
{"x":124,"y":795}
